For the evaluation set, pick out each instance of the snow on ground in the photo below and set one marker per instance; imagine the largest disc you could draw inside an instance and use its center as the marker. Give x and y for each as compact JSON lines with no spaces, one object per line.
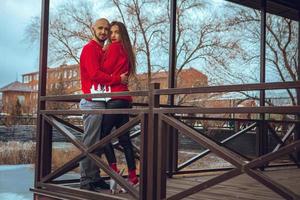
{"x":13,"y":167}
{"x":13,"y":196}
{"x":15,"y":181}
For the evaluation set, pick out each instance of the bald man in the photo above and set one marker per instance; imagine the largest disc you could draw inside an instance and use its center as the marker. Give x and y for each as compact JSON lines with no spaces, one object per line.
{"x":92,"y":78}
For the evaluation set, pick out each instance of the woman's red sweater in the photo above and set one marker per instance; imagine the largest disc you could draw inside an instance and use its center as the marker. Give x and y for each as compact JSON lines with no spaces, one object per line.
{"x":115,"y":63}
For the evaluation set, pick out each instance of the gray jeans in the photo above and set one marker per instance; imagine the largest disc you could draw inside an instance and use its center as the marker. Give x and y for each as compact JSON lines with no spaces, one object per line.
{"x":89,"y":171}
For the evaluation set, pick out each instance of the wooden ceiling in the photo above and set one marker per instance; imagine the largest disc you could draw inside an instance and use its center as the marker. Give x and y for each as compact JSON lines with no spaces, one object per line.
{"x":285,"y":8}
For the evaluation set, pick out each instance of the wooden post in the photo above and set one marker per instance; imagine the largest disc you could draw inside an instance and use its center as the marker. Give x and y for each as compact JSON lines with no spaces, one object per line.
{"x":172,"y":133}
{"x":297,"y":129}
{"x":151,"y":188}
{"x":143,"y":161}
{"x":161,"y":158}
{"x":43,"y":129}
{"x":262,"y":135}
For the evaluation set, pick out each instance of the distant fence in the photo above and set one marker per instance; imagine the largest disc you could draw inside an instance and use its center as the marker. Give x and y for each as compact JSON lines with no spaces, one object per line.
{"x":9,"y":120}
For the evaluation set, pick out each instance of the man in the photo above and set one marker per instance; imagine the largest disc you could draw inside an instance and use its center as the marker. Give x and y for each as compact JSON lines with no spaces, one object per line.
{"x":91,"y":79}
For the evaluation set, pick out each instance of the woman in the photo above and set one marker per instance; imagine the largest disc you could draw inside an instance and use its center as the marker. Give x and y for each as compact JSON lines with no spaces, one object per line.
{"x":119,"y":59}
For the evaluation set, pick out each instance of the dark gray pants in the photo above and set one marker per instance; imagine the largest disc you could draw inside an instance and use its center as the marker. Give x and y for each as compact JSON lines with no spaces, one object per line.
{"x":89,"y":171}
{"x":108,"y":123}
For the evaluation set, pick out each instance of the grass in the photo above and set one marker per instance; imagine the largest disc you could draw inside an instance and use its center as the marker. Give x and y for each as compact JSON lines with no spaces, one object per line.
{"x":61,"y":156}
{"x":12,"y":153}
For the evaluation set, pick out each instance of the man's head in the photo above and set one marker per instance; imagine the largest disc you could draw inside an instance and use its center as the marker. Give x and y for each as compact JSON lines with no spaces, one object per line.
{"x":101,"y":30}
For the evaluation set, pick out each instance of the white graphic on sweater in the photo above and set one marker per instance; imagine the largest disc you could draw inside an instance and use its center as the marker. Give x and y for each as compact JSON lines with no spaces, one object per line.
{"x":100,"y":90}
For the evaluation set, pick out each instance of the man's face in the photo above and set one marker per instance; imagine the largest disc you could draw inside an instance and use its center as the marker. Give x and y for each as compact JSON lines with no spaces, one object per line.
{"x":101,"y":30}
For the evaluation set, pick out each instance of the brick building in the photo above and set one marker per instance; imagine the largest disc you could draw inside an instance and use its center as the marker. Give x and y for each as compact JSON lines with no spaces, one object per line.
{"x":1,"y":104}
{"x":65,"y":79}
{"x":189,"y":77}
{"x":18,"y":98}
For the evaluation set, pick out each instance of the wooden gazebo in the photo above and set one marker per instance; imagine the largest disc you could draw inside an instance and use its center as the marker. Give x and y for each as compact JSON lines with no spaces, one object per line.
{"x":161,"y":176}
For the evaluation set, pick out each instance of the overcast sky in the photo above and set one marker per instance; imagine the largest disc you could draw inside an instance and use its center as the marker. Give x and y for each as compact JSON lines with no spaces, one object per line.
{"x":17,"y":57}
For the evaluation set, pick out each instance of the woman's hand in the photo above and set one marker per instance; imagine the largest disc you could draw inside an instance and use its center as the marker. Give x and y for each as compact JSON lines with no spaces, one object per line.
{"x":124,"y":78}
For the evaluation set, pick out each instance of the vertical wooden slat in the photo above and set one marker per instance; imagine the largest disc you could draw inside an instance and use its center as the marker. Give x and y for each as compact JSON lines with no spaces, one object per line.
{"x":172,"y":51}
{"x":172,"y":156}
{"x":152,"y":143}
{"x":261,"y":138}
{"x":143,"y":161}
{"x":39,"y":170}
{"x":297,"y":129}
{"x":46,"y":148}
{"x":150,"y":154}
{"x":161,"y":158}
{"x":172,"y":133}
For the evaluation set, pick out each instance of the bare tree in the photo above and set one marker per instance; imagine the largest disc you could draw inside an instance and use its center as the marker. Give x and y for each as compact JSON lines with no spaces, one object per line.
{"x":145,"y":26}
{"x":281,"y":47}
{"x":69,"y":29}
{"x":201,"y":41}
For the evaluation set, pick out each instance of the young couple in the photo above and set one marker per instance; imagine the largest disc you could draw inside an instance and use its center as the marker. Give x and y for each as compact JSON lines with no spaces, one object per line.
{"x":108,"y":68}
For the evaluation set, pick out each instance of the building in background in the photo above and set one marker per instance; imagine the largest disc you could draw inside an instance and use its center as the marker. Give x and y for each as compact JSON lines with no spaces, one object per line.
{"x":1,"y":104}
{"x":65,"y":79}
{"x":188,"y":77}
{"x":18,"y":98}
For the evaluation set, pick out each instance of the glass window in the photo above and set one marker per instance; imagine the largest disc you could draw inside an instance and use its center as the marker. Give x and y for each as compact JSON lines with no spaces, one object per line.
{"x":70,"y":74}
{"x":65,"y":74}
{"x":25,"y":79}
{"x":21,"y":99}
{"x":75,"y":73}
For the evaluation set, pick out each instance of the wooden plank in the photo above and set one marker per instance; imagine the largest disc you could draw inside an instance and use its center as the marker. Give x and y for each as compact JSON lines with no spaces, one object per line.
{"x":89,"y":96}
{"x":261,"y":109}
{"x":95,"y":111}
{"x":206,"y":184}
{"x":230,"y":88}
{"x":240,"y":187}
{"x":220,"y":151}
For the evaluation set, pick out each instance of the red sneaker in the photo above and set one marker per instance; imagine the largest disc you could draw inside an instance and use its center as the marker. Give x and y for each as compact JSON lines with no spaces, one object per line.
{"x":132,"y":177}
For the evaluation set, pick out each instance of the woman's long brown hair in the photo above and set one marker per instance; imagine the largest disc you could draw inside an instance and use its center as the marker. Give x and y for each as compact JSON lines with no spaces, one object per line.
{"x":125,"y":40}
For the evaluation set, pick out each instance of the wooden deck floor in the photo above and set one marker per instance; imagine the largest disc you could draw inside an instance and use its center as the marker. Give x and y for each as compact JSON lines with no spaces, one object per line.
{"x":240,"y":187}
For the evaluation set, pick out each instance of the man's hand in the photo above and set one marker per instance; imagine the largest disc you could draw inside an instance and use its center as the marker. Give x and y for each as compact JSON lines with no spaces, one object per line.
{"x":124,"y":78}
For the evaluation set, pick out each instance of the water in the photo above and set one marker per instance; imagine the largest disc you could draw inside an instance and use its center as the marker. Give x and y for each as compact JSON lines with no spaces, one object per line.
{"x":62,"y":145}
{"x":15,"y":181}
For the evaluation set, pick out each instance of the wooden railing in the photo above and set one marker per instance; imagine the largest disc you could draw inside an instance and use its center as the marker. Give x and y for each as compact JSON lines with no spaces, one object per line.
{"x":156,"y":121}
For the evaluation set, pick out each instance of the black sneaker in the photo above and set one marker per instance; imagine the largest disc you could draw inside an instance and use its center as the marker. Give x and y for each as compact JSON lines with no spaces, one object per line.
{"x":88,"y":186}
{"x":100,"y":183}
